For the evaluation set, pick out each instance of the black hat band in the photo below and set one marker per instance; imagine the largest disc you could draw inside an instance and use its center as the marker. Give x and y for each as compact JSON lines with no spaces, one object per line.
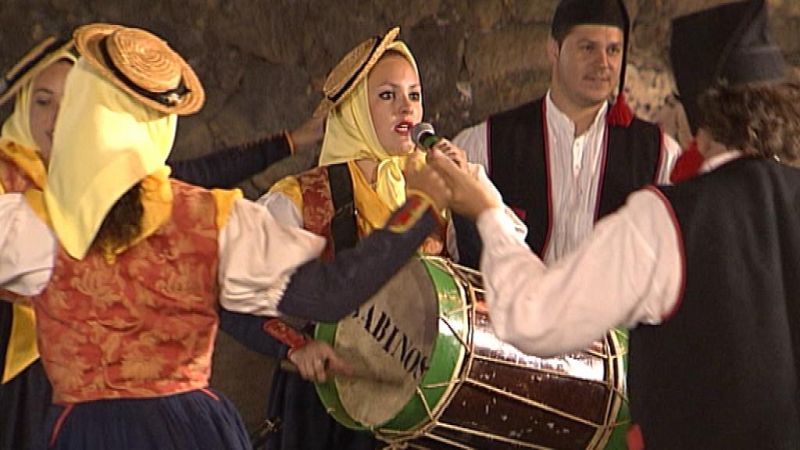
{"x":335,"y":97}
{"x":167,"y":98}
{"x":7,"y":81}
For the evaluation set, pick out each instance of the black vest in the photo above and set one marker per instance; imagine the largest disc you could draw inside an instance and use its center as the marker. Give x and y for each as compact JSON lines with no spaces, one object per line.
{"x":722,"y":372}
{"x":519,"y":168}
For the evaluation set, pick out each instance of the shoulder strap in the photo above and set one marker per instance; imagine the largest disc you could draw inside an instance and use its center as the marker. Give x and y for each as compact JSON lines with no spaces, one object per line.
{"x":344,"y":231}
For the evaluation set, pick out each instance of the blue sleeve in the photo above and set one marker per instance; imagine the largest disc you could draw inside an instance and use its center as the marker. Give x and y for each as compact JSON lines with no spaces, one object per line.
{"x":228,"y":167}
{"x":327,"y":291}
{"x":468,"y":241}
{"x":248,"y":330}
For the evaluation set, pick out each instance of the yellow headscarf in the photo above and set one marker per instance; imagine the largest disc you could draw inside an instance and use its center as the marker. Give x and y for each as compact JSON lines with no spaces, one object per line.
{"x":105,"y":142}
{"x":17,"y":128}
{"x":350,"y":135}
{"x":16,"y":141}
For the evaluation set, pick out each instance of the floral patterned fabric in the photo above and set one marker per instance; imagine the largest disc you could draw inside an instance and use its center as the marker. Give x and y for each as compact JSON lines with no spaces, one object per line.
{"x":143,"y":326}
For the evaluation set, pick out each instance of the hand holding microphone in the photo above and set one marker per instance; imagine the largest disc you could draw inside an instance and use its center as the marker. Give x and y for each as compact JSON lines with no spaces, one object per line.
{"x":426,"y":138}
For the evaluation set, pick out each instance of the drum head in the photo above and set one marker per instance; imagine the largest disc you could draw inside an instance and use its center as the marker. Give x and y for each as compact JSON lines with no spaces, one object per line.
{"x":389,"y":342}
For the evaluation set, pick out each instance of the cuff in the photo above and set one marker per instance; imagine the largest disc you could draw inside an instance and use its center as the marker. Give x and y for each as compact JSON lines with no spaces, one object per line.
{"x":285,"y":334}
{"x":496,"y":227}
{"x":417,"y":204}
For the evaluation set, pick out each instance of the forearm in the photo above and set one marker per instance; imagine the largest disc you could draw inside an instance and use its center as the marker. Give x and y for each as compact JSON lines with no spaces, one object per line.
{"x":228,"y":167}
{"x":328,"y":291}
{"x":627,"y":272}
{"x":249,"y":331}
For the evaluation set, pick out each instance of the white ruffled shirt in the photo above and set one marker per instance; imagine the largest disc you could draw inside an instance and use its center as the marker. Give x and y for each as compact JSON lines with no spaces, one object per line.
{"x":575,"y":170}
{"x":257,"y":254}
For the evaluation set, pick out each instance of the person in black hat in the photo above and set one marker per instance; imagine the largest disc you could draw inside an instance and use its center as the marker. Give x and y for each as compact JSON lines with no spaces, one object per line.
{"x":704,"y":272}
{"x":571,"y":149}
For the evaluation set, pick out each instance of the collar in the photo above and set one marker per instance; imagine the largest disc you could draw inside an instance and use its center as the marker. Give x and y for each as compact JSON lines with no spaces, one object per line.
{"x":719,"y":160}
{"x":557,"y":119}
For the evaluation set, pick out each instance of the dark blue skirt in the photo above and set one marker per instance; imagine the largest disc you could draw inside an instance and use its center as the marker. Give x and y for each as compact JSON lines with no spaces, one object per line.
{"x":201,"y":420}
{"x":23,"y":404}
{"x":305,"y":424}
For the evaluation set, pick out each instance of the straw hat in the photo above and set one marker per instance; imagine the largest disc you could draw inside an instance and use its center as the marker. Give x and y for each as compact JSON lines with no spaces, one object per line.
{"x":353,"y":68}
{"x":143,"y":65}
{"x":36,"y":60}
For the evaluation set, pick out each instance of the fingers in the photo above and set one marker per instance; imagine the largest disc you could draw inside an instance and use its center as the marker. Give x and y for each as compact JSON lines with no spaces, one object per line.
{"x":312,"y":361}
{"x":444,"y":166}
{"x":339,"y":366}
{"x":453,"y":152}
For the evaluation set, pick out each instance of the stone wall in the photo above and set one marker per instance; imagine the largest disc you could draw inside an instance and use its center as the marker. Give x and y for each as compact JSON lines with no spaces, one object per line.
{"x":263,"y":63}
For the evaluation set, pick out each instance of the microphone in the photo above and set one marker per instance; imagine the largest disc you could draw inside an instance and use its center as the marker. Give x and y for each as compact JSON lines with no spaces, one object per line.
{"x":424,"y":136}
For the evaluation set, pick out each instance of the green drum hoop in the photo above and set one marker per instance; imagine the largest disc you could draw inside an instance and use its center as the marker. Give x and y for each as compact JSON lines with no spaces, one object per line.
{"x":576,"y":400}
{"x":448,"y":350}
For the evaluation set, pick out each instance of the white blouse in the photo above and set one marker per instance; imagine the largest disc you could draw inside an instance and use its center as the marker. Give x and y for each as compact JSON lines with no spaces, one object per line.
{"x":257,"y":254}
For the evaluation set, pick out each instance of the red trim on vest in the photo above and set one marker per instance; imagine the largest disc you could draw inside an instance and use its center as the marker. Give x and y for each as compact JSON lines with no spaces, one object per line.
{"x":60,"y":423}
{"x":489,"y":147}
{"x":661,"y":156}
{"x":681,"y":249}
{"x":209,"y":393}
{"x":602,"y":177}
{"x":548,"y":180}
{"x":634,"y":437}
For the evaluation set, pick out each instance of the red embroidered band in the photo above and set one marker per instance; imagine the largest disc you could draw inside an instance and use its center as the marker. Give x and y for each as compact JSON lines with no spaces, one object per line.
{"x":292,"y":338}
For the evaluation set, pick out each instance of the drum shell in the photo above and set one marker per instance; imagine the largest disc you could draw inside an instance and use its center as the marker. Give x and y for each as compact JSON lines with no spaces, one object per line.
{"x":482,"y":393}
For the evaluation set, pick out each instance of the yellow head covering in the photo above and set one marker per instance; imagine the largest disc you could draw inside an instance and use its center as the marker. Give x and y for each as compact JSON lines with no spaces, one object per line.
{"x":17,"y":127}
{"x":105,"y":142}
{"x":350,"y":135}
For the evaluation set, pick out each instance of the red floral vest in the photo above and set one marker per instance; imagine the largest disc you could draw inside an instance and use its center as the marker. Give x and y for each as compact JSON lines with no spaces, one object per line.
{"x":318,"y":213}
{"x":143,"y":326}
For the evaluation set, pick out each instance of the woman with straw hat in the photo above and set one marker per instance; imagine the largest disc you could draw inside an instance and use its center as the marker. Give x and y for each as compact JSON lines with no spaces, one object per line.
{"x":126,"y":268}
{"x":373,"y":99}
{"x":36,"y":84}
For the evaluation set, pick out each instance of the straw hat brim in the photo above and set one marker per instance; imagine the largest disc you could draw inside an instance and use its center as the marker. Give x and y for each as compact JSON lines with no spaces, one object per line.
{"x":88,"y":39}
{"x":353,"y":68}
{"x":45,"y":52}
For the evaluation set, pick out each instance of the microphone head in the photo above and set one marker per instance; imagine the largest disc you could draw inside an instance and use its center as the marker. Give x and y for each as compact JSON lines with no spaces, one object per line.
{"x":421,"y":133}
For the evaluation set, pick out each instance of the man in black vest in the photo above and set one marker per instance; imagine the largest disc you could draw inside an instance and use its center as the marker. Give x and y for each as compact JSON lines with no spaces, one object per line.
{"x":571,"y":150}
{"x":712,"y":261}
